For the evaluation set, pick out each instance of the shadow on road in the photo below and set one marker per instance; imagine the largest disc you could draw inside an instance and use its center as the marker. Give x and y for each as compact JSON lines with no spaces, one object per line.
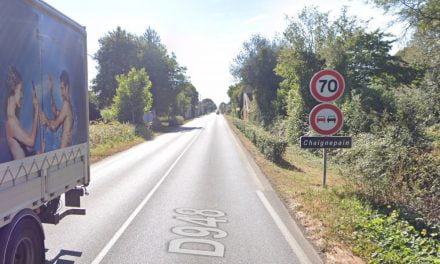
{"x":58,"y":258}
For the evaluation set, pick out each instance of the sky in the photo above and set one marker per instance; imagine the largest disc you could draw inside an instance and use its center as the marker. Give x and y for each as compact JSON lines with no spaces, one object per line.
{"x":205,"y":35}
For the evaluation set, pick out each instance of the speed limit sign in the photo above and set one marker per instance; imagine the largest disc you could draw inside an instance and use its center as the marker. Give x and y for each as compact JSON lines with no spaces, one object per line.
{"x":327,"y":86}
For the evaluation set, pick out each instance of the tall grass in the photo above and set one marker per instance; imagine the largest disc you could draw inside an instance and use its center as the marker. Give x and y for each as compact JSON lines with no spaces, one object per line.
{"x":111,"y":133}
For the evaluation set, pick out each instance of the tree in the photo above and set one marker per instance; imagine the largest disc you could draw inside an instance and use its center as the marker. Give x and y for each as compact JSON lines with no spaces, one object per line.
{"x":423,"y":50}
{"x":178,"y":82}
{"x":120,"y":51}
{"x":117,"y":54}
{"x":186,"y":100}
{"x":208,"y":106}
{"x":297,"y":62}
{"x":154,"y":58}
{"x":314,"y":43}
{"x":133,"y":97}
{"x":235,"y":93}
{"x":254,"y":67}
{"x":222,"y":108}
{"x":167,"y":76}
{"x":421,"y":14}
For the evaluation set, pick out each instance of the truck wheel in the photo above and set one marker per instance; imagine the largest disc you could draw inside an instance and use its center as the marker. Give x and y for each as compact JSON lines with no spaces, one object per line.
{"x":26,"y":245}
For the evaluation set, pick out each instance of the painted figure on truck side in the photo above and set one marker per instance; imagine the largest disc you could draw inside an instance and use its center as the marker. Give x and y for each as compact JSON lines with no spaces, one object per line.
{"x":39,"y":114}
{"x":63,"y":117}
{"x":20,"y":142}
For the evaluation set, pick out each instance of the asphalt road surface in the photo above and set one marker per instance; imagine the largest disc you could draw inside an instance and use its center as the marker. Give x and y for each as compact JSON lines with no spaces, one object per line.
{"x":191,"y":196}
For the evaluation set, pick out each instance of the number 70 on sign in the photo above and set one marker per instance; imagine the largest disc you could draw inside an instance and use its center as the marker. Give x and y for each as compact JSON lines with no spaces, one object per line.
{"x":327,"y":86}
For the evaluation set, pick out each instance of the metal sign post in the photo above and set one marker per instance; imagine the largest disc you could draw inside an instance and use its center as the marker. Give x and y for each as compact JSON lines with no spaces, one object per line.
{"x":326,"y":119}
{"x":324,"y":176}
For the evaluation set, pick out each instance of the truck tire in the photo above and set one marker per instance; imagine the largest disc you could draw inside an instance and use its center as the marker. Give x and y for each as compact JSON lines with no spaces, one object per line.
{"x":22,"y":242}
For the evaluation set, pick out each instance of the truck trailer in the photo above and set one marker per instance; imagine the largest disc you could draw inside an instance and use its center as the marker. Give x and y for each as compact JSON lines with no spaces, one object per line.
{"x":44,"y":149}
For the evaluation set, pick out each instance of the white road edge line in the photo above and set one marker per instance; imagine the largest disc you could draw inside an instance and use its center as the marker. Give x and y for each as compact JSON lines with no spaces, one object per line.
{"x":133,"y":215}
{"x":297,"y":250}
{"x":244,"y":156}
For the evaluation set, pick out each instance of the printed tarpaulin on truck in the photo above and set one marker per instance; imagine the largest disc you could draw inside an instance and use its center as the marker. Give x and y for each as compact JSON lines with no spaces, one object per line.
{"x":42,"y":82}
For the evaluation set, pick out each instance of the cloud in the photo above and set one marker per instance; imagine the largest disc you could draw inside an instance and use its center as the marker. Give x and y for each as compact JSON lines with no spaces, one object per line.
{"x":255,"y":19}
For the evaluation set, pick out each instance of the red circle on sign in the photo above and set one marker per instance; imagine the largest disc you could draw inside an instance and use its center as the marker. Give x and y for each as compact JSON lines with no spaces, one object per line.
{"x":318,"y":95}
{"x":314,"y":122}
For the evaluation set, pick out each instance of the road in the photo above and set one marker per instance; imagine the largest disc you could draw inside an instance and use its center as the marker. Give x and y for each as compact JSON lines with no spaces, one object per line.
{"x":192,"y":196}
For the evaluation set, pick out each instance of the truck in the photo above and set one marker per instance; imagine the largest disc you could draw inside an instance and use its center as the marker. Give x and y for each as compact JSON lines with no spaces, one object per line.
{"x":44,"y":149}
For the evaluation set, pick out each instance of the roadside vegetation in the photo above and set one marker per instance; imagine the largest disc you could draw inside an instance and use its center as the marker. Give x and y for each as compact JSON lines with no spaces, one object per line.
{"x":337,"y":219}
{"x":107,"y":139}
{"x":138,"y":77}
{"x":272,"y":147}
{"x":384,"y":193}
{"x":161,"y":85}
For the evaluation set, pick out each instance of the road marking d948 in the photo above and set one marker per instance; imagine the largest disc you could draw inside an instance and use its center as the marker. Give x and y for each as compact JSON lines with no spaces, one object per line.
{"x":207,"y":221}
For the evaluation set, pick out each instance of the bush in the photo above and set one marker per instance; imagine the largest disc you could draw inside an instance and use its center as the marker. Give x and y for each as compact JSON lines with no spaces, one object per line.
{"x":270,"y":146}
{"x":390,"y":172}
{"x":144,"y":131}
{"x":176,"y":121}
{"x":108,"y":115}
{"x":386,"y":239}
{"x":110,"y":133}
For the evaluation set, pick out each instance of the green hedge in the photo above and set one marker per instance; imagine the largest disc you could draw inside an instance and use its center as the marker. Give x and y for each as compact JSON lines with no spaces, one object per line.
{"x":270,"y":146}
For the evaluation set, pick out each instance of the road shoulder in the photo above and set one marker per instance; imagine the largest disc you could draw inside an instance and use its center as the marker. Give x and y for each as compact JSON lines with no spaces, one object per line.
{"x":267,"y":188}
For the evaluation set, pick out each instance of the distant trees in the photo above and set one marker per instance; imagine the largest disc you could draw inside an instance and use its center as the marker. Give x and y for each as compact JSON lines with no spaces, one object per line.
{"x":120,"y":51}
{"x":167,"y":76}
{"x":186,"y":100}
{"x":254,"y":68}
{"x":208,"y":106}
{"x":117,"y":54}
{"x":222,"y":108}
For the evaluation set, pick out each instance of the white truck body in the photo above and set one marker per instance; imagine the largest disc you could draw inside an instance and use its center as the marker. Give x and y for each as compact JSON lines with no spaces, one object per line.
{"x":43,"y":56}
{"x":33,"y":181}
